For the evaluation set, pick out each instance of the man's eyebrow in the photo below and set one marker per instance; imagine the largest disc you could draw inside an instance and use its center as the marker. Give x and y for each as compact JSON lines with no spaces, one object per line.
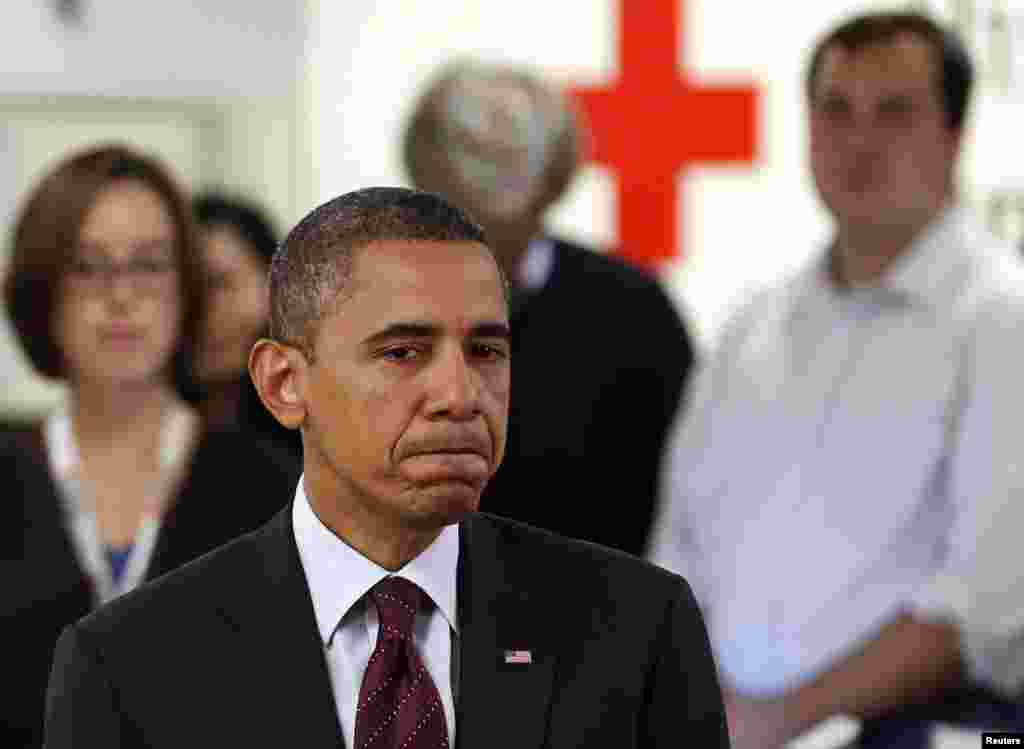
{"x":491,"y":330}
{"x":430,"y":330}
{"x":403,"y":330}
{"x":832,"y":92}
{"x":902,"y":98}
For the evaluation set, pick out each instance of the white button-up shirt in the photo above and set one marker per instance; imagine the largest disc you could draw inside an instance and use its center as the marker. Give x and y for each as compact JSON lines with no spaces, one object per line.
{"x":846,"y":456}
{"x":537,"y":263}
{"x":339,"y":578}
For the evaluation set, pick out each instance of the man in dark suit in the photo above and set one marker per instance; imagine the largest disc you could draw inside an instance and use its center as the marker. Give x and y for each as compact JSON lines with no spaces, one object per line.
{"x":381,"y":609}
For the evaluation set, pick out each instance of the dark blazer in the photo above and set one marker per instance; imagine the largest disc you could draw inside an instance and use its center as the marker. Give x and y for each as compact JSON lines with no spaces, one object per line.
{"x":233,"y":485}
{"x":600,"y":356}
{"x":252,"y":417}
{"x":225,"y":652}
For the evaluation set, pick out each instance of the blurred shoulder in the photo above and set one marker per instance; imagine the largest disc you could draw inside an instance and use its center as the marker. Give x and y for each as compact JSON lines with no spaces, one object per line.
{"x":993,"y":310}
{"x":24,"y":466}
{"x":605,"y":287}
{"x":762,"y":310}
{"x":999,"y":278}
{"x":235,"y":483}
{"x":604,"y":271}
{"x":27,"y":499}
{"x":243,"y":456}
{"x":22,"y":441}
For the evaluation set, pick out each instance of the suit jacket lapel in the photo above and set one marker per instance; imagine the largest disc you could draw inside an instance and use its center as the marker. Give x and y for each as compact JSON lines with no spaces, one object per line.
{"x":52,"y":575}
{"x":501,"y":619}
{"x":272,"y":610}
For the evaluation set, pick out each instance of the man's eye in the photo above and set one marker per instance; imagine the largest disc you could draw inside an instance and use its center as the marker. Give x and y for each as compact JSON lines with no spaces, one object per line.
{"x":897,"y":110}
{"x":400,"y":353}
{"x":487,"y":351}
{"x":834,"y":108}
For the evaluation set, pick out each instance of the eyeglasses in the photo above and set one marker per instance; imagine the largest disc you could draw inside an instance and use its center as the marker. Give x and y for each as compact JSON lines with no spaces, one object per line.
{"x":148,"y":275}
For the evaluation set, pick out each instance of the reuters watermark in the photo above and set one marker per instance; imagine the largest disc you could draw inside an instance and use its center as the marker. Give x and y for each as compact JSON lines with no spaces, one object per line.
{"x":1002,"y":739}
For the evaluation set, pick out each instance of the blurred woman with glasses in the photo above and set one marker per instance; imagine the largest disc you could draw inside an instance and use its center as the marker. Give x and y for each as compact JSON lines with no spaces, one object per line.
{"x":123,"y":482}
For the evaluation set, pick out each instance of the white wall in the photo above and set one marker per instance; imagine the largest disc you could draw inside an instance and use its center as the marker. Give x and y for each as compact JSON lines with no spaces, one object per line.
{"x":152,"y":49}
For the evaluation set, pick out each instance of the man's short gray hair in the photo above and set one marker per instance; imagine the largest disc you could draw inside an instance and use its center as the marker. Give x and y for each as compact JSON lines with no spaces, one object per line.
{"x":496,"y":136}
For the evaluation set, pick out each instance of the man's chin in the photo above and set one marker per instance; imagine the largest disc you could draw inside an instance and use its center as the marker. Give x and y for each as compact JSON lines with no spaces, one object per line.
{"x":869,"y":208}
{"x":448,"y":503}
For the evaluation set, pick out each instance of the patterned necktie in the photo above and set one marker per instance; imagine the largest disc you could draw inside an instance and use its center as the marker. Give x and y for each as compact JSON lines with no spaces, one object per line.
{"x":399,"y":705}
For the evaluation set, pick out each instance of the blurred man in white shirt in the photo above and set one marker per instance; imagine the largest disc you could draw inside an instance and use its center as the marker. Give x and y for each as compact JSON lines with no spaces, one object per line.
{"x":854,"y":439}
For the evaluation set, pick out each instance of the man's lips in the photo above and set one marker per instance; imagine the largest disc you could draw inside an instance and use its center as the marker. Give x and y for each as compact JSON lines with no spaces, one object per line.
{"x":453,"y":457}
{"x":454,"y":445}
{"x":454,"y":451}
{"x":470,"y":462}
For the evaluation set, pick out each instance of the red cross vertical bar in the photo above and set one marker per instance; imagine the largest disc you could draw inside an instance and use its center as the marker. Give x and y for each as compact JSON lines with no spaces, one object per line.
{"x":651,"y":124}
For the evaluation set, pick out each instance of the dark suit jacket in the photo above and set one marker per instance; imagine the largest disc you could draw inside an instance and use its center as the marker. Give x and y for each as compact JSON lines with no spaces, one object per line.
{"x":600,"y":357}
{"x":225,"y":652}
{"x":42,"y":587}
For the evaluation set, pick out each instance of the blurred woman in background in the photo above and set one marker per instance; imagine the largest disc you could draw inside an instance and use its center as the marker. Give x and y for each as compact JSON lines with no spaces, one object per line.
{"x":122,"y":482}
{"x":237,"y":242}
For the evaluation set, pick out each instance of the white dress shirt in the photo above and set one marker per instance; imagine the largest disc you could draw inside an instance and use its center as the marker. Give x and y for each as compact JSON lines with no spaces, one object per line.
{"x":846,"y":456}
{"x":537,"y":263}
{"x":339,"y":578}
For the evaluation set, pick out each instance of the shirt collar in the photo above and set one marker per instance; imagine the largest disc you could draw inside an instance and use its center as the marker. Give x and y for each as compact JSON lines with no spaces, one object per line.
{"x":176,"y":434}
{"x":536,"y":263}
{"x":60,"y":444}
{"x":930,"y":270}
{"x":339,"y":576}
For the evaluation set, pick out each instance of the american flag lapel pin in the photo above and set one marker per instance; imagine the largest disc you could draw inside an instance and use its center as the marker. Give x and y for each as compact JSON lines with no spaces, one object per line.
{"x":518,"y":657}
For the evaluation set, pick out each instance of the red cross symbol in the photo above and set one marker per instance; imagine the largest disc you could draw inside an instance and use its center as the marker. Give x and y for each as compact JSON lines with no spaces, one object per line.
{"x":650,"y":124}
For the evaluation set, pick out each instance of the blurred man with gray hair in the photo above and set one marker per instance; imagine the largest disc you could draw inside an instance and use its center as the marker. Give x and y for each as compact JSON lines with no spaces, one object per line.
{"x":601,"y":354}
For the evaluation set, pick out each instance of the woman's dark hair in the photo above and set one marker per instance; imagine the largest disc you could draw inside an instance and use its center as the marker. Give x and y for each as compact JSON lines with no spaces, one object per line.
{"x":46,"y":237}
{"x":214,"y":209}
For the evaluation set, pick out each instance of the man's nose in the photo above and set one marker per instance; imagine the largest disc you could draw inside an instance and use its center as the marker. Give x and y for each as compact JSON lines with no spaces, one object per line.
{"x":864,"y":131}
{"x":454,"y":386}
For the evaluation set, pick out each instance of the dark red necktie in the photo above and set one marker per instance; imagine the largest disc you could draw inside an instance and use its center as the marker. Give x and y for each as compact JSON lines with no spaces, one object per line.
{"x":399,"y":705}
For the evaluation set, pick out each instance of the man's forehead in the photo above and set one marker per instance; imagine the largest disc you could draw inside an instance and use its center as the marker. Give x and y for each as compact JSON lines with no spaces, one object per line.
{"x":905,"y":60}
{"x":431,"y":270}
{"x":389,"y":256}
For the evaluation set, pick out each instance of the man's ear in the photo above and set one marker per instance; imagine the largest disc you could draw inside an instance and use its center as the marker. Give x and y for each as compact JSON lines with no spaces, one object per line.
{"x":279,"y":373}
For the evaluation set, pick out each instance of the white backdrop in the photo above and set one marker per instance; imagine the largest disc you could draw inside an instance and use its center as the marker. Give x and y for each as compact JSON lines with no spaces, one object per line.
{"x":151,"y":49}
